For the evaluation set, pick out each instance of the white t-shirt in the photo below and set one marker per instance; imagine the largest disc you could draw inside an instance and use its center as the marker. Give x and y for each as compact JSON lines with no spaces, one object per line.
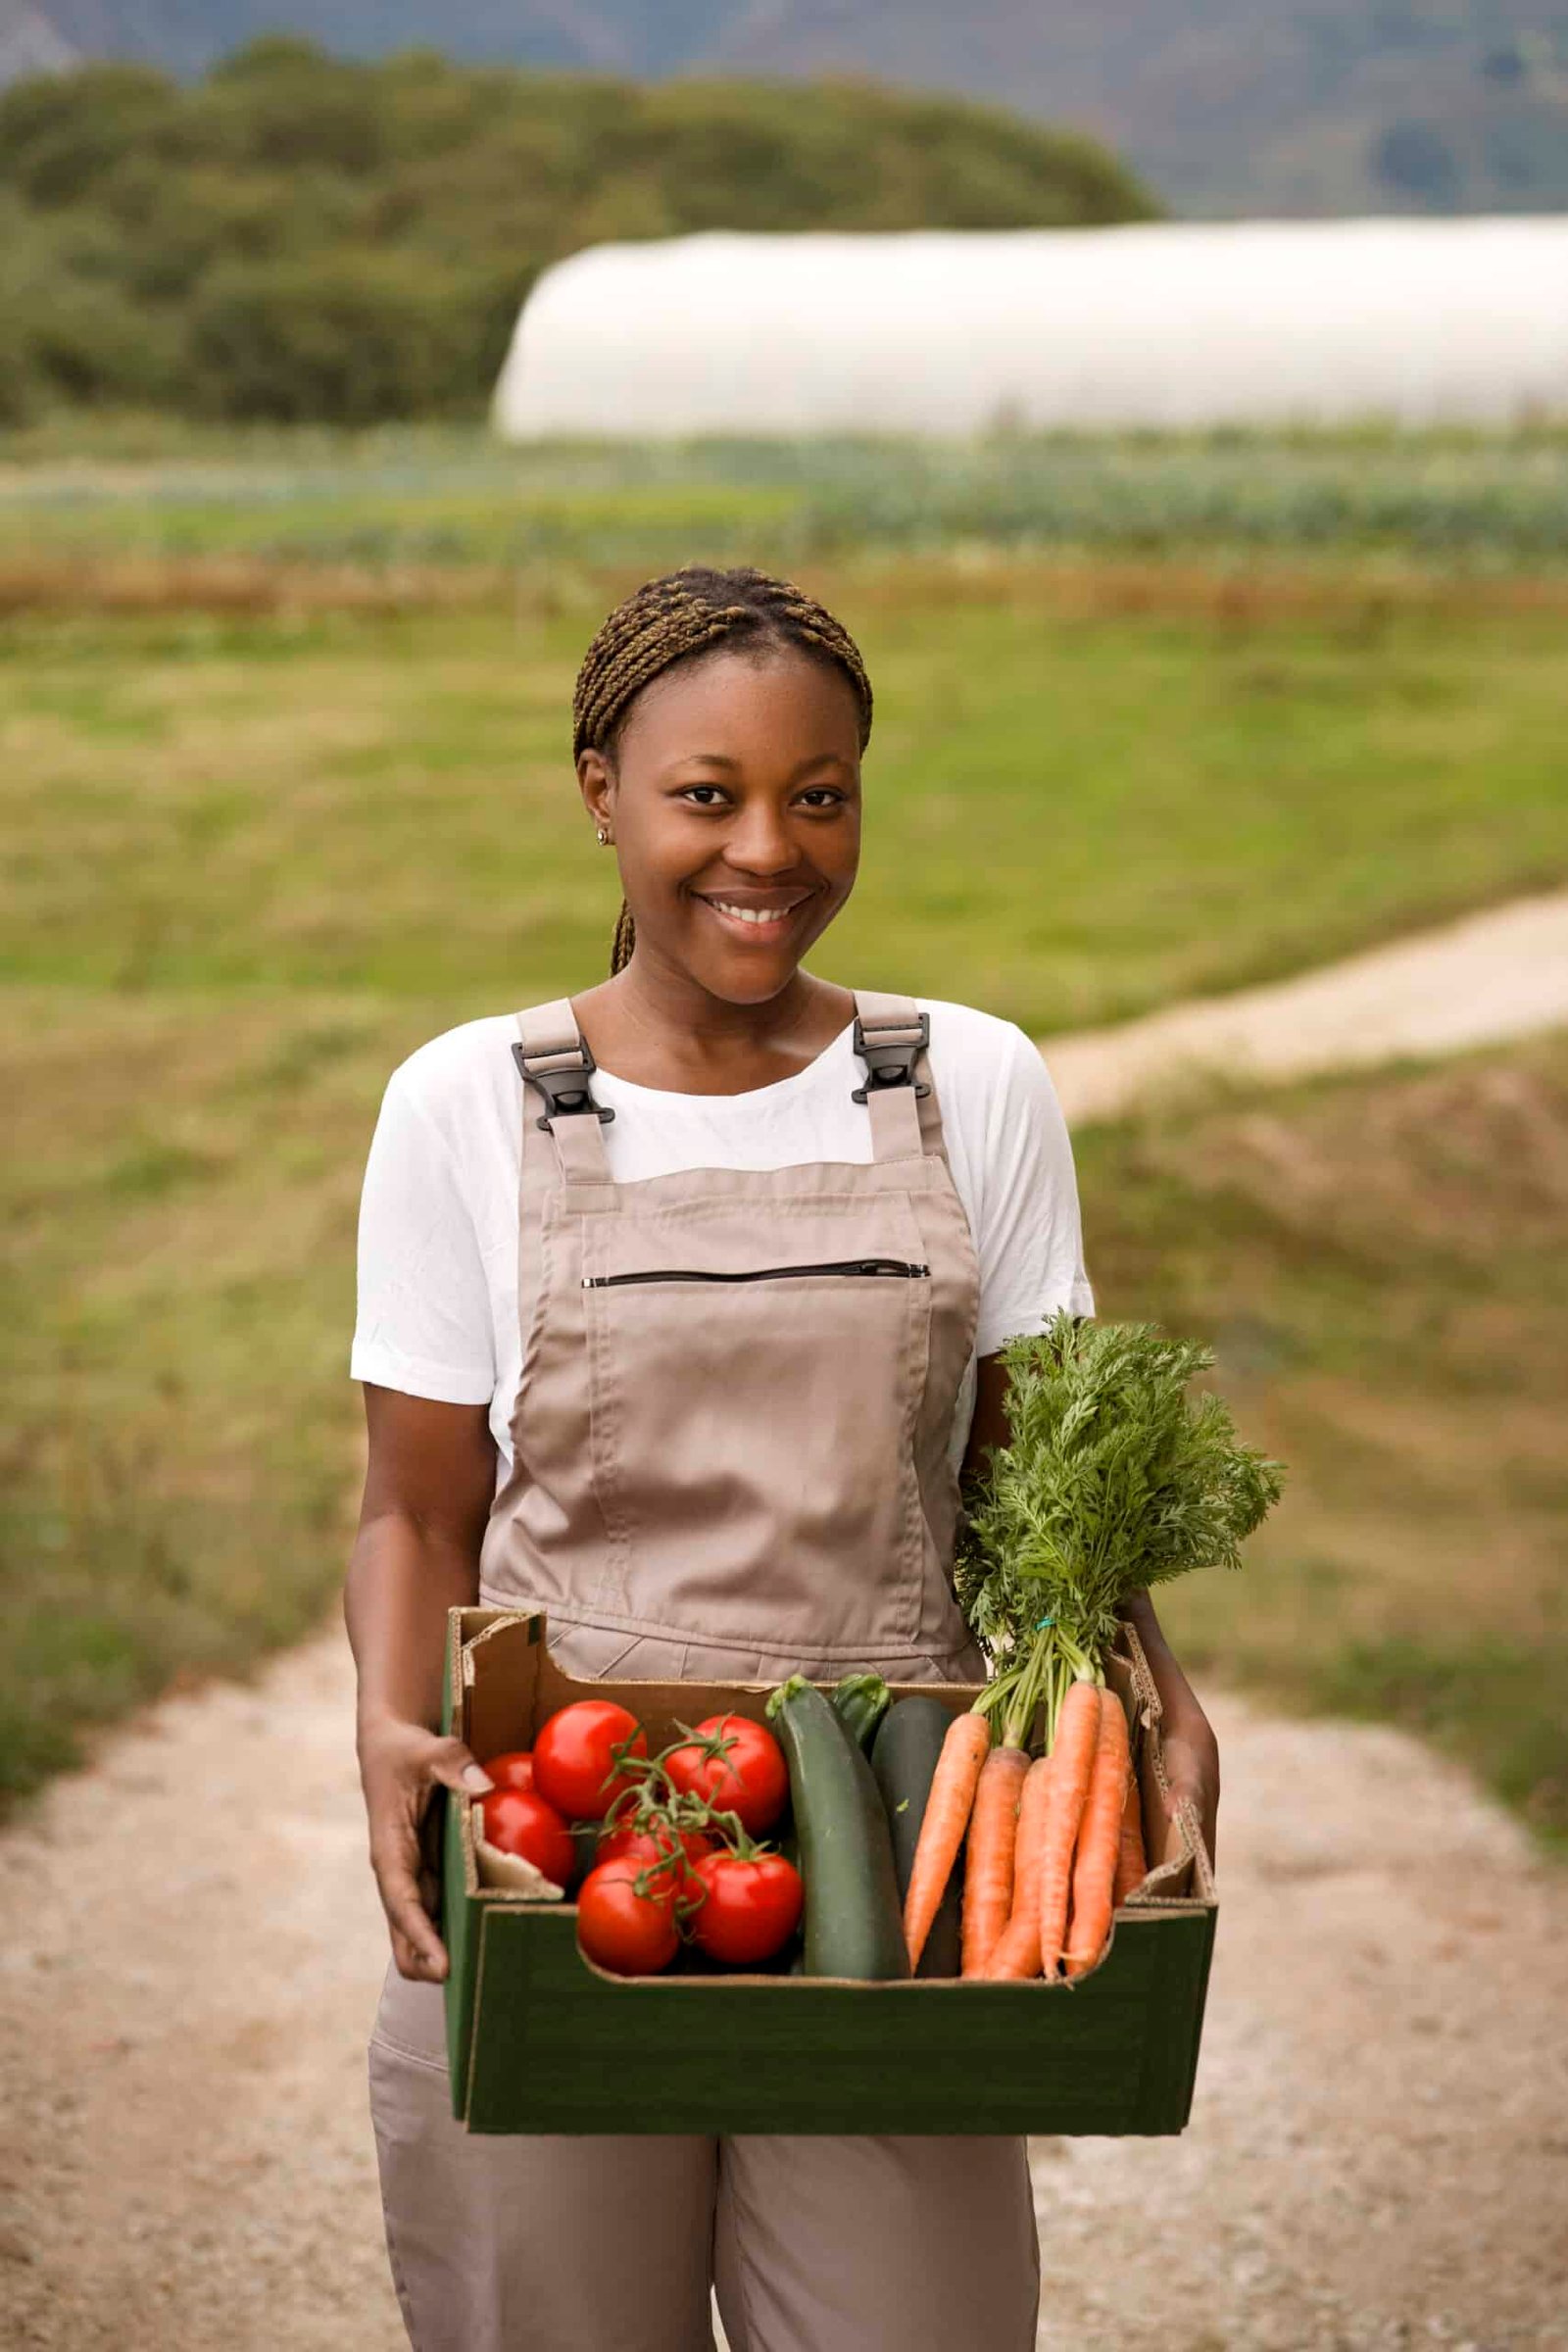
{"x":438,"y":1309}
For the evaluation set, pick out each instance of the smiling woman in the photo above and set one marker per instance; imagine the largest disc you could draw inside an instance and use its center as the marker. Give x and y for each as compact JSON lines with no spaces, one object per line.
{"x":686,"y":1341}
{"x":644,"y":648}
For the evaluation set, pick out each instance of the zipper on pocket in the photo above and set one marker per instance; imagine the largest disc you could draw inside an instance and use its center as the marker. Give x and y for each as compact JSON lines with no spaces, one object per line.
{"x":900,"y":1268}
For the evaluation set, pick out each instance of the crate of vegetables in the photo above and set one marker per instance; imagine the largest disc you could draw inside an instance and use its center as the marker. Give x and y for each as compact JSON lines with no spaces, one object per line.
{"x":727,"y":1908}
{"x":542,"y":2038}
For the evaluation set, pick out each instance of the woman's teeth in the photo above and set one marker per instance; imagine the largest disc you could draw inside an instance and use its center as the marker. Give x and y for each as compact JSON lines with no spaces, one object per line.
{"x":753,"y":914}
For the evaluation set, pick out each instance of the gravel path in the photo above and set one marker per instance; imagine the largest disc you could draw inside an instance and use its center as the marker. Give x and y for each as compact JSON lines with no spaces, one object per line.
{"x":1378,"y":2155}
{"x":1378,"y":2150}
{"x":1493,"y":976}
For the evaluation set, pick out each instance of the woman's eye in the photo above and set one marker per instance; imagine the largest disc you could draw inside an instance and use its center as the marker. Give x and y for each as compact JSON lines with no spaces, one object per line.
{"x":691,"y":792}
{"x":824,"y":795}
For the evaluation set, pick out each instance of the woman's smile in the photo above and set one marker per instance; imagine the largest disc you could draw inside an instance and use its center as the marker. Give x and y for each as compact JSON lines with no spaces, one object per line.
{"x":759,"y":917}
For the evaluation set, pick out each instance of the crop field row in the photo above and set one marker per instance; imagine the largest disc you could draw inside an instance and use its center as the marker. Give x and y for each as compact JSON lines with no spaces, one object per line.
{"x":446,"y":498}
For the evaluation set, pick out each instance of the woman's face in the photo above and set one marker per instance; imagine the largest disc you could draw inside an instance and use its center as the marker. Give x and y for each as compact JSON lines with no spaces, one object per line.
{"x":734,"y":804}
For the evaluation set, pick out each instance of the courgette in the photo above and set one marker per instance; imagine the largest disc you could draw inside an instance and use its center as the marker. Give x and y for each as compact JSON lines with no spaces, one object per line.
{"x":854,"y":1917}
{"x":903,"y":1760}
{"x":860,"y":1702}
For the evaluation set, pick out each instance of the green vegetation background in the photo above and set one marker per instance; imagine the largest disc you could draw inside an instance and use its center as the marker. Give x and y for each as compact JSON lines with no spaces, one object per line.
{"x":86,"y":489}
{"x":261,"y":853}
{"x":300,"y":237}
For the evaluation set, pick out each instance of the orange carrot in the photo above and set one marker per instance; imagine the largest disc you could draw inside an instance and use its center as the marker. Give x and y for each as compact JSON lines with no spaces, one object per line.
{"x":1094,"y":1873}
{"x":1016,"y":1953}
{"x":946,"y":1818}
{"x":1132,"y":1868}
{"x":988,"y":1857}
{"x":1071,"y":1759}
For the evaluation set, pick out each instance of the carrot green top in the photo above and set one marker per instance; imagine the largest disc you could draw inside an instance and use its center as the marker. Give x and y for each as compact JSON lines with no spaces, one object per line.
{"x":1114,"y":1480}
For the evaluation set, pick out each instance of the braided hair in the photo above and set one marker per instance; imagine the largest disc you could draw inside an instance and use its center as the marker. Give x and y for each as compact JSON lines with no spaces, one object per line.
{"x":675,"y":619}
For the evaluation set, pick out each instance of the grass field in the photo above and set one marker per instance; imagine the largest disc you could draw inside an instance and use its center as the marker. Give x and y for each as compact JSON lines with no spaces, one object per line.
{"x":257,"y":857}
{"x":1071,"y":817}
{"x":1382,"y":1265}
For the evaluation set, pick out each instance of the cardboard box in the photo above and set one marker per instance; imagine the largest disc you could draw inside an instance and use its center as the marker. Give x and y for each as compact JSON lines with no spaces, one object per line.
{"x":541,"y":2040}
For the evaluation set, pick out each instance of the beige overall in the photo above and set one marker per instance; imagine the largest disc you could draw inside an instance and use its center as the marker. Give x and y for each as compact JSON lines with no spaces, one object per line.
{"x":731,"y":1462}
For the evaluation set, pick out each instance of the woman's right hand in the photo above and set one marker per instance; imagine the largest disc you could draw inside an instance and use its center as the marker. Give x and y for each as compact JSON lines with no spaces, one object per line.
{"x":401,"y":1767}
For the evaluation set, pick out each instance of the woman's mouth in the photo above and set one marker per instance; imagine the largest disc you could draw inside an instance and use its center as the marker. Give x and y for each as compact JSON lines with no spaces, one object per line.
{"x":750,"y":922}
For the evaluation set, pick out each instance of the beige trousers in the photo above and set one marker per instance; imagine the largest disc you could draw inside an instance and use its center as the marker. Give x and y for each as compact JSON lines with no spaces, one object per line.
{"x":610,"y":2245}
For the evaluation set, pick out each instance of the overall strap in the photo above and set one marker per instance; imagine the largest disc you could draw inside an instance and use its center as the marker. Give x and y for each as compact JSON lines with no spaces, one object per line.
{"x":555,"y":1064}
{"x":892,"y":1038}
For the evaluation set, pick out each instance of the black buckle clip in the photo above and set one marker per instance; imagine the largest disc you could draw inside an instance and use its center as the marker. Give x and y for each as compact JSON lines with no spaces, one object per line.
{"x":890,"y":1064}
{"x":565,"y":1091}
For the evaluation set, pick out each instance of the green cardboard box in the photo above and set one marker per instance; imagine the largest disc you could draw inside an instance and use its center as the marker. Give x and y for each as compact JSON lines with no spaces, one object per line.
{"x":542,"y":2041}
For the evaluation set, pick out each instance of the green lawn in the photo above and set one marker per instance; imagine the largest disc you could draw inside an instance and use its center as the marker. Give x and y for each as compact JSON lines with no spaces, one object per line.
{"x":1071,"y":818}
{"x":255,"y":861}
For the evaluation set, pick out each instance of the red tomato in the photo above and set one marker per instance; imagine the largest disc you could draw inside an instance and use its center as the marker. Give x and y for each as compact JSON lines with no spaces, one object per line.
{"x":751,"y":1905}
{"x":520,"y":1822}
{"x":634,"y":1934}
{"x":573,"y":1760}
{"x":751,"y":1778}
{"x":640,"y":1847}
{"x":513,"y":1770}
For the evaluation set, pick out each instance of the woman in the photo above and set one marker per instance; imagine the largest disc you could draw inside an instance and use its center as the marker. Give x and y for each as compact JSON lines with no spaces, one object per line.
{"x":725,"y":1481}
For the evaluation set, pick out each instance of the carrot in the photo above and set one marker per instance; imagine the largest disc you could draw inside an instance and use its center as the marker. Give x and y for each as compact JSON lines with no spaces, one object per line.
{"x":1016,"y":1953}
{"x":1071,"y":1759}
{"x":1094,"y":1873}
{"x":989,"y":1861}
{"x":946,"y":1817}
{"x":1132,"y":1867}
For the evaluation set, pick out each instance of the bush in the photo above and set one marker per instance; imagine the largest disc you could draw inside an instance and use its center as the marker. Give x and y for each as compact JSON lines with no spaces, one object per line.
{"x":71,"y":332}
{"x":21,"y":393}
{"x":60,"y":133}
{"x":354,"y":336}
{"x":297,"y":237}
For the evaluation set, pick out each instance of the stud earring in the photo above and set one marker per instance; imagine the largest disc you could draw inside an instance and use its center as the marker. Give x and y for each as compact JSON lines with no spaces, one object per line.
{"x":603,"y":836}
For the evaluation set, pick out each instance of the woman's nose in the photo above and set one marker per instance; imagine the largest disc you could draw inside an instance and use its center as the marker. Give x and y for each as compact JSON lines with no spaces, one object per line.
{"x":762,"y":844}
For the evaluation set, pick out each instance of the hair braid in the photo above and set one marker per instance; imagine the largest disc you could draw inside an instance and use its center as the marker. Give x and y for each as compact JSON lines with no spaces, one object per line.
{"x":677,"y":618}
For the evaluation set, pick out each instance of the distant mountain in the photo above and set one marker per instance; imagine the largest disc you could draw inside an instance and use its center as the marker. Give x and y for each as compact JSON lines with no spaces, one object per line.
{"x":1228,"y":106}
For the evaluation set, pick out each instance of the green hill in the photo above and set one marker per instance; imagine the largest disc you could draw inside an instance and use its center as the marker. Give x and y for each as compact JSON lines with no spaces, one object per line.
{"x":301,"y":237}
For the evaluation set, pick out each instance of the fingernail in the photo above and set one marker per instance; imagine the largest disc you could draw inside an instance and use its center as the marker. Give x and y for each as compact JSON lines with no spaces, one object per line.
{"x":476,"y":1780}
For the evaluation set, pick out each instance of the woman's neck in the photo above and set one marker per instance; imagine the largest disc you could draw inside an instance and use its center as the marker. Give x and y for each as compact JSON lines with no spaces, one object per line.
{"x":657,"y":1027}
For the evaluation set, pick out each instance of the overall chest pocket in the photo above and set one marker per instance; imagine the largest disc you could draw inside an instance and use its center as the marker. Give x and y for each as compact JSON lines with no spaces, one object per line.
{"x":753,"y":1414}
{"x":850,"y":1268}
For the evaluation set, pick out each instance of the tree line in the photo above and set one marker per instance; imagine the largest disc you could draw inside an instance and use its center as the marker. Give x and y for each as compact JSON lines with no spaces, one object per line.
{"x":300,"y":237}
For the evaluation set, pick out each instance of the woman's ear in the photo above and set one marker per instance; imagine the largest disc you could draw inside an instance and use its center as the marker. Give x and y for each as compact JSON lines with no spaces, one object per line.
{"x":597,"y":784}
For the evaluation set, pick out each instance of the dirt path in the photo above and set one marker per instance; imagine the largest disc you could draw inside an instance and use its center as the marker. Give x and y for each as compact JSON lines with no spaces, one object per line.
{"x":1378,"y":2156}
{"x":1493,"y":976}
{"x":1378,"y":2150}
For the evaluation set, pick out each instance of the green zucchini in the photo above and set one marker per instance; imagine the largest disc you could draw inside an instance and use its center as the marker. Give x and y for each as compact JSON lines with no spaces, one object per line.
{"x":860,"y":1702}
{"x":585,"y":1847}
{"x":854,"y":1917}
{"x":903,"y":1760}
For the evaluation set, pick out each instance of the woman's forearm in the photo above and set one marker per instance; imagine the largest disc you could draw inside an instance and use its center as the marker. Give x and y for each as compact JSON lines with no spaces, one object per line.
{"x":401,"y":1580}
{"x":429,"y":1479}
{"x":1187,"y":1738}
{"x":1177,"y":1697}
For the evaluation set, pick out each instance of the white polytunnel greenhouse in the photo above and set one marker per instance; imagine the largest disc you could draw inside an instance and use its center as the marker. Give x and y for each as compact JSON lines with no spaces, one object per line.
{"x":955,"y":332}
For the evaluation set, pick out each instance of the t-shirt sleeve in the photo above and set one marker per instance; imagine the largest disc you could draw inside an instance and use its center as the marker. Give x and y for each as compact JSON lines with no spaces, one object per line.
{"x":1029,"y":1240}
{"x":423,"y":1323}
